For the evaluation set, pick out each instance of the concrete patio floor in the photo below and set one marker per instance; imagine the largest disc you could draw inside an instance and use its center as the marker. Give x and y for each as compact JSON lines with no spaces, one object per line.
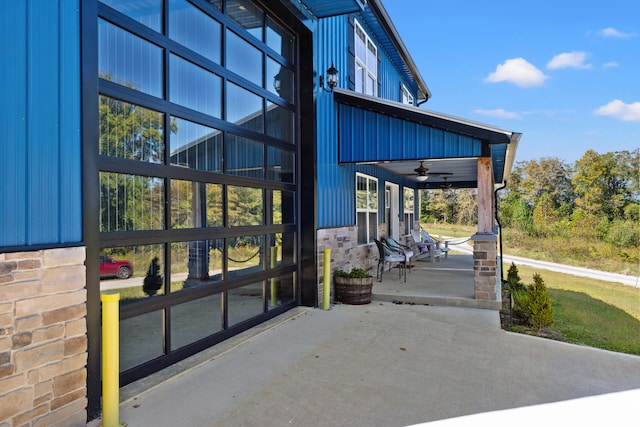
{"x":448,"y":282}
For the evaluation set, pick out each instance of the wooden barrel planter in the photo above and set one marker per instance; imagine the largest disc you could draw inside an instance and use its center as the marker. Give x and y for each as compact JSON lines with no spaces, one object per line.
{"x":355,"y":291}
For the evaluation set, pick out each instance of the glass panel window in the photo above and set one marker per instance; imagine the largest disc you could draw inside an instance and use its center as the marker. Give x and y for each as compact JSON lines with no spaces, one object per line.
{"x":244,"y":255}
{"x":405,"y":96}
{"x":137,"y":272}
{"x":280,"y":165}
{"x":195,"y":204}
{"x":244,"y":108}
{"x":245,"y":157}
{"x":141,"y":339}
{"x":129,"y":131}
{"x":245,"y":302}
{"x":283,"y":203}
{"x":280,"y":122}
{"x":148,"y":12}
{"x":244,"y":206}
{"x":243,"y":59}
{"x":409,"y":207}
{"x":366,"y":208}
{"x":280,"y":40}
{"x":195,"y":87}
{"x":131,"y":202}
{"x":194,"y":320}
{"x":196,"y":263}
{"x":194,"y":29}
{"x":247,"y":14}
{"x":280,"y":290}
{"x":366,"y":58}
{"x":129,"y":60}
{"x":281,"y":249}
{"x":280,"y":80}
{"x":195,"y":146}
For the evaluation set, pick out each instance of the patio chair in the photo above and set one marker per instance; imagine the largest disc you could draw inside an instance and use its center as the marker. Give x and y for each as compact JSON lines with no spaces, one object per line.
{"x":400,"y":248}
{"x":426,"y":238}
{"x":387,"y":255}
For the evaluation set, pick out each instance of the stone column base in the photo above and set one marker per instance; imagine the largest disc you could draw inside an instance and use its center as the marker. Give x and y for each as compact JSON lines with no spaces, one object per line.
{"x":485,"y":271}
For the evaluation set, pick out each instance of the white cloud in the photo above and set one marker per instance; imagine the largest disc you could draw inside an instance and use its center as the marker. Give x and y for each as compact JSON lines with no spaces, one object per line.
{"x":499,"y":113}
{"x":611,"y":64}
{"x":621,"y":111}
{"x":569,"y":60}
{"x":616,"y":34}
{"x":519,"y":72}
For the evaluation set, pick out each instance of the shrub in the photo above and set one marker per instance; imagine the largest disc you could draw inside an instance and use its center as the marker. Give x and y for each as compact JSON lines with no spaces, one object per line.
{"x":513,"y":279}
{"x":520,"y":303}
{"x":539,"y":310}
{"x":356,"y":273}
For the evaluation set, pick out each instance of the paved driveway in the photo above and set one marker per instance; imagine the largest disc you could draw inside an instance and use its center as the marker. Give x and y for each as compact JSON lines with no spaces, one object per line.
{"x":376,"y":365}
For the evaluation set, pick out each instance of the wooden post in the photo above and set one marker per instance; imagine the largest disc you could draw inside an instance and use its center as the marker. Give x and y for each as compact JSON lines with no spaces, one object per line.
{"x":485,"y":196}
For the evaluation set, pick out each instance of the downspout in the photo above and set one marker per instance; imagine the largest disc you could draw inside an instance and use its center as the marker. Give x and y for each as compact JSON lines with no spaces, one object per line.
{"x":495,"y":201}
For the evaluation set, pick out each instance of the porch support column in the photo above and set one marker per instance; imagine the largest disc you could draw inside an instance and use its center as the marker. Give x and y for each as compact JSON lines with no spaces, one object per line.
{"x":485,"y":247}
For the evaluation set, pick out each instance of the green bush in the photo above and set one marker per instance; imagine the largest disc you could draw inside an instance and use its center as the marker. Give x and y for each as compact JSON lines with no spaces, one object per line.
{"x":513,"y":279}
{"x":531,"y":303}
{"x":356,"y":273}
{"x":539,"y":309}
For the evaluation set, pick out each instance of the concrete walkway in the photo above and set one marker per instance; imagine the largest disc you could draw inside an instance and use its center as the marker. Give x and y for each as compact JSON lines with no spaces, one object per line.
{"x":380,"y":364}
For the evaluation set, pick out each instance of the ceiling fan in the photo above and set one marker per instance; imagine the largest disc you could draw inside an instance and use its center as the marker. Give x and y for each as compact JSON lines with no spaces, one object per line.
{"x":445,"y":185}
{"x":422,"y":173}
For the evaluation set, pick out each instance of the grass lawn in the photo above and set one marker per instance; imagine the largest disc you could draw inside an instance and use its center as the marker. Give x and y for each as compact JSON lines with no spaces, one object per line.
{"x":592,"y":312}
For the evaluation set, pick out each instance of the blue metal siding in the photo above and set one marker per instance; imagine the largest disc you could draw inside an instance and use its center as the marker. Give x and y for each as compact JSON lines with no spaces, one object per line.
{"x":41,"y":180}
{"x":367,"y":136}
{"x":336,"y":183}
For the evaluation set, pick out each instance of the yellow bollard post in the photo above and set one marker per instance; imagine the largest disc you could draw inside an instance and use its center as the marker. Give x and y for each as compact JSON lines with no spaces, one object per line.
{"x":326,"y":289}
{"x":110,"y":359}
{"x":274,"y":284}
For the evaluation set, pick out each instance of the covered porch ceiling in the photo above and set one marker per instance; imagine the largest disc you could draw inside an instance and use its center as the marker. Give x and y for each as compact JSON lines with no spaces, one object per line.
{"x":397,"y":137}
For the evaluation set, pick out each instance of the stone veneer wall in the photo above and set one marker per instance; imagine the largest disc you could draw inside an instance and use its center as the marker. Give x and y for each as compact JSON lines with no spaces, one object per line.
{"x":345,"y":253}
{"x":485,"y":271}
{"x":43,"y":338}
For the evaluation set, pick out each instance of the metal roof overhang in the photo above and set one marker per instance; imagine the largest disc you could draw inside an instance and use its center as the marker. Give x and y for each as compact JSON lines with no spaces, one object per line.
{"x":326,"y":8}
{"x":396,"y":137}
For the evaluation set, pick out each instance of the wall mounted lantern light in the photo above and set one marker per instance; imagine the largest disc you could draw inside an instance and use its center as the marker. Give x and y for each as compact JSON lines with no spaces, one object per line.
{"x":332,"y":79}
{"x":277,"y":82}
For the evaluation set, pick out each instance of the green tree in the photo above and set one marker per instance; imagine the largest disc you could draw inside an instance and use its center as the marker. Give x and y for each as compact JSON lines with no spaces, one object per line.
{"x":539,"y":309}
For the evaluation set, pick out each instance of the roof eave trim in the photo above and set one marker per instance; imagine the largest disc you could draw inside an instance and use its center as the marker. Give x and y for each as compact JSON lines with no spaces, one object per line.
{"x":491,"y":134}
{"x":390,"y":28}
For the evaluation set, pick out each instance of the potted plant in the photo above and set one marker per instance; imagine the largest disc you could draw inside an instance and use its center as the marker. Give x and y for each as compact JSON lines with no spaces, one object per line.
{"x":354,"y":287}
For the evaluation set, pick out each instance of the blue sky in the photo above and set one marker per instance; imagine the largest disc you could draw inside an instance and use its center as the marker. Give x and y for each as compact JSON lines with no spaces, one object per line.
{"x":565,"y":74}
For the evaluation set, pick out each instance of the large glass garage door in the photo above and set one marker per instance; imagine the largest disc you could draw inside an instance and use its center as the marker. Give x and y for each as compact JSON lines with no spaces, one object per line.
{"x":198,"y":160}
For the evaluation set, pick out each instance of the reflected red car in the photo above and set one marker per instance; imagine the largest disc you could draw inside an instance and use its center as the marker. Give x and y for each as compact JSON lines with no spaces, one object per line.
{"x":110,"y":267}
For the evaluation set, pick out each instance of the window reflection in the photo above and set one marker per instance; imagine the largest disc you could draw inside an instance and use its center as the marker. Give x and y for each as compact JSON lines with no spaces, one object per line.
{"x":196,"y":263}
{"x":285,"y":80}
{"x":141,"y":339}
{"x":245,"y":302}
{"x":195,"y":204}
{"x":244,"y":108}
{"x":245,"y":157}
{"x":195,"y":87}
{"x":148,"y":12}
{"x":280,"y":122}
{"x":280,"y":40}
{"x":129,"y":131}
{"x":129,"y":60}
{"x":137,"y":272}
{"x":195,"y":146}
{"x":280,"y":291}
{"x":131,"y":202}
{"x":195,"y":320}
{"x":281,"y":249}
{"x":244,"y":206}
{"x":281,"y":165}
{"x":243,"y":59}
{"x":247,"y":14}
{"x":244,"y":255}
{"x":194,"y":29}
{"x":284,"y":204}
